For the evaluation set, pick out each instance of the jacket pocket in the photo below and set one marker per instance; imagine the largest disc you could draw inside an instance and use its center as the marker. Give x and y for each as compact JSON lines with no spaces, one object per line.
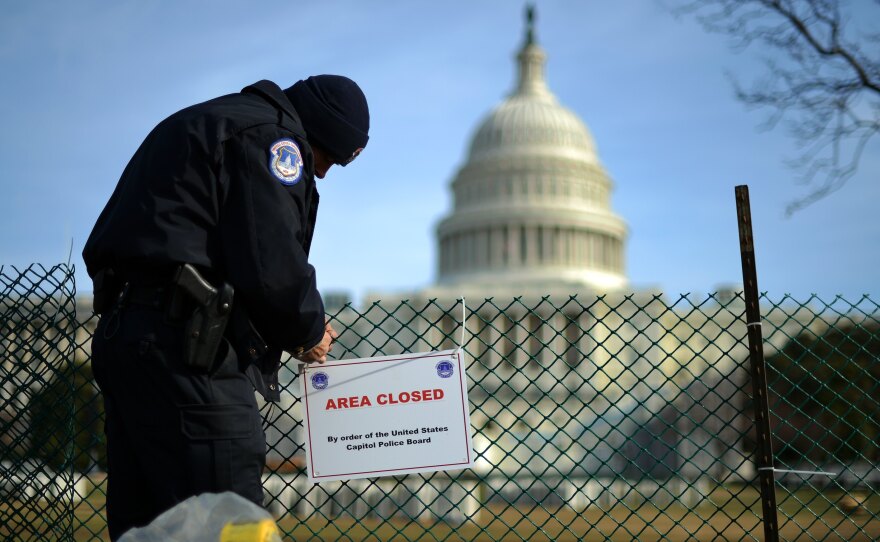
{"x":214,"y":422}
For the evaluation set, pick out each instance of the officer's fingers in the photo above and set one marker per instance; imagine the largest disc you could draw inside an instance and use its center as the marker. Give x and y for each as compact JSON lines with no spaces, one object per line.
{"x":316,"y":353}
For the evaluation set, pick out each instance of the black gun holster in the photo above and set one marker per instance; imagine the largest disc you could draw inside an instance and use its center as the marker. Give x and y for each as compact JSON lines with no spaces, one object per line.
{"x":205,"y":320}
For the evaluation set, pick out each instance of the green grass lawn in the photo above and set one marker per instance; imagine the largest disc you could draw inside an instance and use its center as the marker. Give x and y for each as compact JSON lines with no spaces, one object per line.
{"x":728,"y":514}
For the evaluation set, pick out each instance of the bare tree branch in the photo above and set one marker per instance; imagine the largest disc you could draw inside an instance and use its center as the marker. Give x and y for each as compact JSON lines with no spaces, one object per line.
{"x":823,"y":81}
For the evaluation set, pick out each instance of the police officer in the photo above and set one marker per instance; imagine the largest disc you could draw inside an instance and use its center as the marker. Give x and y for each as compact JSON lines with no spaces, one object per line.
{"x":202,"y":279}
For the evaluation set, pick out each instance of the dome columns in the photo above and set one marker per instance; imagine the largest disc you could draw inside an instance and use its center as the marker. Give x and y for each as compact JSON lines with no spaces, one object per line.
{"x":502,"y":247}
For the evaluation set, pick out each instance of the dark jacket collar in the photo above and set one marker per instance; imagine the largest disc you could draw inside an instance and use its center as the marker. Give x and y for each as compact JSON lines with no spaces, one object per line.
{"x":273,"y":94}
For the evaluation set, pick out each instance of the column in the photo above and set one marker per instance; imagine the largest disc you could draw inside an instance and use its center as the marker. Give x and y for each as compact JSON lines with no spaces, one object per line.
{"x":514,"y":259}
{"x":549,"y":249}
{"x":531,"y":246}
{"x":496,"y":248}
{"x":591,"y":249}
{"x":483,"y":248}
{"x":558,"y":246}
{"x":572,"y":246}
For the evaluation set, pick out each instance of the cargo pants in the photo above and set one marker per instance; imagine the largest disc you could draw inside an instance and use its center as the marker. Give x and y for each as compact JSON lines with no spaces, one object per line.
{"x":172,"y":432}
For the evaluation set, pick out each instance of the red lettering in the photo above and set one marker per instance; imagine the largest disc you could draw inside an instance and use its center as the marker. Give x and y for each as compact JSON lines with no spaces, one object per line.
{"x":351,"y":402}
{"x":414,"y":396}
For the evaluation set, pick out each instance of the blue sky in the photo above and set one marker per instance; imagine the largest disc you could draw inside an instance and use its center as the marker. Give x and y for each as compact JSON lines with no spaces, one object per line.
{"x":85,"y":81}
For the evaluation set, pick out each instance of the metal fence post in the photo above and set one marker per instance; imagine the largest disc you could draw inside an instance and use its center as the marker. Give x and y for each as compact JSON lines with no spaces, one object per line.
{"x":759,"y":371}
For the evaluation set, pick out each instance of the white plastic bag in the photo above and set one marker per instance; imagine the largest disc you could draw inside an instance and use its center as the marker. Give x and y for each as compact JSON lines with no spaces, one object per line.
{"x":202,"y":519}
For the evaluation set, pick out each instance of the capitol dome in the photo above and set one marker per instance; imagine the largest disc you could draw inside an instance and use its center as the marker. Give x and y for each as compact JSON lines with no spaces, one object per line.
{"x":524,"y":124}
{"x":532,"y":202}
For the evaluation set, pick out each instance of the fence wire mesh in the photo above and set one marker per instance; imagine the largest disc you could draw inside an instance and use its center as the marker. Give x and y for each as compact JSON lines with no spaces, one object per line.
{"x":37,"y":327}
{"x":613,"y":417}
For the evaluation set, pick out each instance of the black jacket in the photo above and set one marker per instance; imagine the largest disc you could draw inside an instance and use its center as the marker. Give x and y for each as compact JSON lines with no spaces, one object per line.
{"x":202,"y":189}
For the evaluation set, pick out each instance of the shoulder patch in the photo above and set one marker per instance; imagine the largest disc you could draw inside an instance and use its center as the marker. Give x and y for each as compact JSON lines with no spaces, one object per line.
{"x":285,"y":161}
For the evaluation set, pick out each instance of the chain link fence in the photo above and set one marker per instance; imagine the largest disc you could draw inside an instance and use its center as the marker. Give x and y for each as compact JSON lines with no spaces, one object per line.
{"x":37,"y":433}
{"x":612,"y":417}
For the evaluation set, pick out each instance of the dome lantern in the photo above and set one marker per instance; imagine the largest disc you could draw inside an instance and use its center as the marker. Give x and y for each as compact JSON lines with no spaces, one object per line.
{"x":531,"y":60}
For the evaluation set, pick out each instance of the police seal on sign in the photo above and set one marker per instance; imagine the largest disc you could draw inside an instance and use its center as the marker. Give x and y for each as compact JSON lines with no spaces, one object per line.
{"x":320,"y":381}
{"x":285,"y":161}
{"x":445,"y":368}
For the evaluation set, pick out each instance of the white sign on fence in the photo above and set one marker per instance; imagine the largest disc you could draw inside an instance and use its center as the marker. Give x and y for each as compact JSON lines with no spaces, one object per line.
{"x":386,"y":416}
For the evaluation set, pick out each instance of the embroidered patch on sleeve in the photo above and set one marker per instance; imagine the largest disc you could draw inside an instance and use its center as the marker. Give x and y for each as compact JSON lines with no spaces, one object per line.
{"x":285,"y":161}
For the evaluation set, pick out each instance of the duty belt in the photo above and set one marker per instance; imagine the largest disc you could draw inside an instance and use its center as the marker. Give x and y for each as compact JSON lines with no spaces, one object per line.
{"x":156,"y":297}
{"x":203,"y":309}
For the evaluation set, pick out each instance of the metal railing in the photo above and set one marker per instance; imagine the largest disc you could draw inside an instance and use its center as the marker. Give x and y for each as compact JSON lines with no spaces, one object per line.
{"x":611,"y":417}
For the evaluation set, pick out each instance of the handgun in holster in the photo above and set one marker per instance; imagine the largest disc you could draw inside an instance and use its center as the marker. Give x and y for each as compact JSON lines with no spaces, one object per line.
{"x":203,"y":327}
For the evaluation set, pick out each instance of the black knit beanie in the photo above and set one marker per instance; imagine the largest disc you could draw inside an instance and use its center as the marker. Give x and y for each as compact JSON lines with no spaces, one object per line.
{"x":334,"y":112}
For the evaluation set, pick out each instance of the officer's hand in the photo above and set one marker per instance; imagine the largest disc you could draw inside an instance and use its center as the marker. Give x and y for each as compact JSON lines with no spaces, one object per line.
{"x":319,"y":351}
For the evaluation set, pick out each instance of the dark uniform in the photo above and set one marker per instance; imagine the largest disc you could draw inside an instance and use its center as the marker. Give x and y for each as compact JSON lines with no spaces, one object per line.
{"x":228,"y":186}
